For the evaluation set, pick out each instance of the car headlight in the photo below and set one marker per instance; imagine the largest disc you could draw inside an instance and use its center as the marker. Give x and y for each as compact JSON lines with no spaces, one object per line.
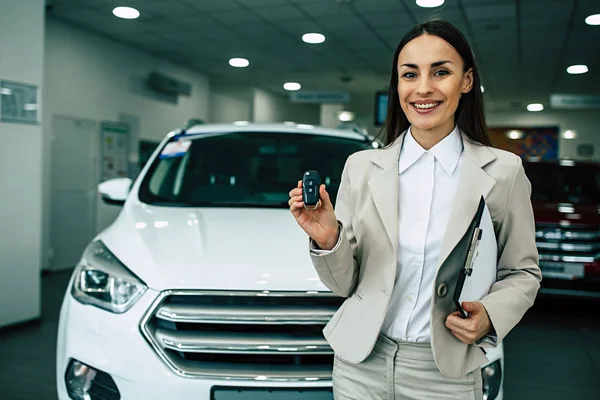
{"x":103,"y":281}
{"x":492,"y":380}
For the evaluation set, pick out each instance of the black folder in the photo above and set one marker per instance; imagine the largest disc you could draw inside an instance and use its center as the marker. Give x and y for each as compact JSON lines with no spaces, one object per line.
{"x":474,"y":233}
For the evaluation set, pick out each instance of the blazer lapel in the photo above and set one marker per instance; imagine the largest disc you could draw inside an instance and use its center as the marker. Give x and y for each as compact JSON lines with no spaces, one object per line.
{"x":474,"y":182}
{"x":384,"y":189}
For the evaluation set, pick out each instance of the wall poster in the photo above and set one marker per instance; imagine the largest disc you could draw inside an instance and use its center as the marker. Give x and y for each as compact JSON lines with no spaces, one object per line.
{"x":540,"y":143}
{"x":19,"y":103}
{"x":114,"y":153}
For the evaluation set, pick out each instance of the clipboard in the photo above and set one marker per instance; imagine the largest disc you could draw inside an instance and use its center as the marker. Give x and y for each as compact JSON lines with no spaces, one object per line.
{"x":480,"y":262}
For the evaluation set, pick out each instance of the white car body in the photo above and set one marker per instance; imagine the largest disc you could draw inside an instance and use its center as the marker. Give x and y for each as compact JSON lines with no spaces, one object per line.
{"x":193,"y":252}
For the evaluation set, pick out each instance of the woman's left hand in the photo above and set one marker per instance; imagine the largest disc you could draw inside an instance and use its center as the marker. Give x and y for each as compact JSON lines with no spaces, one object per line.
{"x":469,"y":330}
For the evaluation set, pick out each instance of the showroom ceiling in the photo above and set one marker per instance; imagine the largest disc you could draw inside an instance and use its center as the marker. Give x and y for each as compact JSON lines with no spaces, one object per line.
{"x":523,"y":46}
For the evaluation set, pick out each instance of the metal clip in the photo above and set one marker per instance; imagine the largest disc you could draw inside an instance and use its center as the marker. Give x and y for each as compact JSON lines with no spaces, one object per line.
{"x":473,"y":251}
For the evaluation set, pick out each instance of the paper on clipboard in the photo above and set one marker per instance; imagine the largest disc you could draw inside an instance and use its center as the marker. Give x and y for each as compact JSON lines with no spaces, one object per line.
{"x":485,"y":263}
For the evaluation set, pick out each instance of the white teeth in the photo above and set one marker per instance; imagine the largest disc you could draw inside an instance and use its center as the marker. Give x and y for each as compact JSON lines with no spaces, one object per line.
{"x":424,"y":106}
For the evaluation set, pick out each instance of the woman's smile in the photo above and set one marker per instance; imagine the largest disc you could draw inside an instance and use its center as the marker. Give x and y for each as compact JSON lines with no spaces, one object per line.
{"x":425,"y":106}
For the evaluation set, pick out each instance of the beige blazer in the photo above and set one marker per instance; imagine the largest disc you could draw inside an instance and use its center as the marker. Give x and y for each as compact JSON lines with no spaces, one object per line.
{"x":363,"y":265}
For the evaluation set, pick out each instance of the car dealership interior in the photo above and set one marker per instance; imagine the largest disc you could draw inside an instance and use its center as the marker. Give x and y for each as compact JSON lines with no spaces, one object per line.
{"x":147,"y":246}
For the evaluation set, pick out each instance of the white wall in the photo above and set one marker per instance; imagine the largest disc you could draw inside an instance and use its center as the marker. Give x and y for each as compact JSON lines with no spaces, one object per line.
{"x":329,"y":114}
{"x":585,"y":123}
{"x":272,"y":107}
{"x":229,"y":103}
{"x":21,"y":60}
{"x":93,"y":78}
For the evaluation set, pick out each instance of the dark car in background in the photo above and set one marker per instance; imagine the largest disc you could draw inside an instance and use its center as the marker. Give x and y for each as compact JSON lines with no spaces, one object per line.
{"x":566,"y":200}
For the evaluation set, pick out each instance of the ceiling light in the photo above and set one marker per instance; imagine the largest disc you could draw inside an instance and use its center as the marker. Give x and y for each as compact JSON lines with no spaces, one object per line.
{"x":429,"y":3}
{"x":577,"y":69}
{"x":346,"y":116}
{"x":239,"y":62}
{"x":292,"y":86}
{"x":514,"y":134}
{"x":313,"y":38}
{"x":241,"y":123}
{"x":126,"y":12}
{"x":482,"y":89}
{"x":304,"y":126}
{"x":593,"y":19}
{"x":535,"y":107}
{"x":570,"y":134}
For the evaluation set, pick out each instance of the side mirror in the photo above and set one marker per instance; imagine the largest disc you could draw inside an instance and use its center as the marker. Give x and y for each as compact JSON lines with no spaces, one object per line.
{"x":115,"y":191}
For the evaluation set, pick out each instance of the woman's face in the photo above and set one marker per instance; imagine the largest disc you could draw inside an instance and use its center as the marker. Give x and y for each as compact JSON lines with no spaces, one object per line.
{"x":431,"y":82}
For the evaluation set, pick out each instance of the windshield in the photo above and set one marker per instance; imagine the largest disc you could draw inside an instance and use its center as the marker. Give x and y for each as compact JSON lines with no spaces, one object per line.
{"x":243,"y":169}
{"x":563,"y":183}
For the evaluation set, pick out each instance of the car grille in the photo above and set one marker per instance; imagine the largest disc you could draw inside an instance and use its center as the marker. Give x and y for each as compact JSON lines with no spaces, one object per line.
{"x":565,"y":250}
{"x":266,"y":336}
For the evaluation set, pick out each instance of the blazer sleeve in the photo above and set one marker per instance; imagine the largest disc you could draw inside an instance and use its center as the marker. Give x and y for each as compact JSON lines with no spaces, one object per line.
{"x":338,"y":268}
{"x":519,"y":275}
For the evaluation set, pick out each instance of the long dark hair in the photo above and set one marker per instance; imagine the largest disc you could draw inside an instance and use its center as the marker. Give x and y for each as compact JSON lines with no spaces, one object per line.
{"x":469,"y":115}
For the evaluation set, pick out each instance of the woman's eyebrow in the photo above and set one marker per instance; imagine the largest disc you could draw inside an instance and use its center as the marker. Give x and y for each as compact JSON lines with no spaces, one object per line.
{"x":433,"y":65}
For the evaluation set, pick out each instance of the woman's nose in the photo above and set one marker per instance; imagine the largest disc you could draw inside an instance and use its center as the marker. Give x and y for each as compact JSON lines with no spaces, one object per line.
{"x":424,"y":86}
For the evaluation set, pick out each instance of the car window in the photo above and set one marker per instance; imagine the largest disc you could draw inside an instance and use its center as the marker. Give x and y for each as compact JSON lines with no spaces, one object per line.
{"x":554,"y":182}
{"x":243,"y":169}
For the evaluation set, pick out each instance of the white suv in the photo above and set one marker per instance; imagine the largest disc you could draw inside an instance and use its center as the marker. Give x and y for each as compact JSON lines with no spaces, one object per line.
{"x":203,"y":287}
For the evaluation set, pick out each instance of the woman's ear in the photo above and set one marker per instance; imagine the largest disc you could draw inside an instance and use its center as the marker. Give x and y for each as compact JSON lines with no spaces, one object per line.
{"x":467,"y":84}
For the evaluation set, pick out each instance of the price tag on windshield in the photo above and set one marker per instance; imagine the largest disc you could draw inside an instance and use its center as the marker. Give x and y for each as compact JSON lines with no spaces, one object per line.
{"x":175,"y":149}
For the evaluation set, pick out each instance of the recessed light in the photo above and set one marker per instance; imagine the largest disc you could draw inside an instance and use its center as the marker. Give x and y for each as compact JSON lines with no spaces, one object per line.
{"x":346,"y":116}
{"x":239,"y":62}
{"x":429,"y":3}
{"x":535,"y":107}
{"x":569,"y":134}
{"x":593,"y":19}
{"x":577,"y":69}
{"x":313,"y":38}
{"x":482,"y":89}
{"x":514,"y":134}
{"x":291,"y":86}
{"x":126,"y":12}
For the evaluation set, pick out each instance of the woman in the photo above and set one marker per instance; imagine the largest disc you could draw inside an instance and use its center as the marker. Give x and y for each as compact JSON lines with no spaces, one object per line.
{"x":400,"y":212}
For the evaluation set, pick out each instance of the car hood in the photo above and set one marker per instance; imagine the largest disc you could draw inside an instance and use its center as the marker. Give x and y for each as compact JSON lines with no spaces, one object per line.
{"x":566,"y":214}
{"x":213,"y":248}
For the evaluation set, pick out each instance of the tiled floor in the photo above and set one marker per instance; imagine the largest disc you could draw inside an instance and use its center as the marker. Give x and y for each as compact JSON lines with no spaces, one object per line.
{"x":554,"y":354}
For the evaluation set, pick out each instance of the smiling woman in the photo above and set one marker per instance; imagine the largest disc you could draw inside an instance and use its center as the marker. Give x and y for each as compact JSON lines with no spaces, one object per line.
{"x":397,"y":238}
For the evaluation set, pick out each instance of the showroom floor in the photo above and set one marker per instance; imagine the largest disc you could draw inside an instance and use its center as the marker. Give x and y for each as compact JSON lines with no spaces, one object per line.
{"x":553,"y":354}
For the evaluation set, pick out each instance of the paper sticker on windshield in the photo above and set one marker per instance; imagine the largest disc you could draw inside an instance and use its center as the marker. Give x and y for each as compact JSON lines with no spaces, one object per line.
{"x":175,"y":149}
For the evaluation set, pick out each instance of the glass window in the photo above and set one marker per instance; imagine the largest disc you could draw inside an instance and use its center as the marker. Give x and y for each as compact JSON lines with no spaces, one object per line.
{"x":243,"y":169}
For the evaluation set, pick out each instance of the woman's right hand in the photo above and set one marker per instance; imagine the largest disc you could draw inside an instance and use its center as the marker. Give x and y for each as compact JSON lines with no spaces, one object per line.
{"x":320,"y":224}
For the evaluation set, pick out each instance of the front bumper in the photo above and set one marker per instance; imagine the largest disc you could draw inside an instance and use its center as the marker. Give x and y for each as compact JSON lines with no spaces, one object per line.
{"x":114,"y":344}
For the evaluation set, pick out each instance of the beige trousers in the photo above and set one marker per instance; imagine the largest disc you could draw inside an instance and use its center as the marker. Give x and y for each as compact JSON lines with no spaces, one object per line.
{"x":401,"y":371}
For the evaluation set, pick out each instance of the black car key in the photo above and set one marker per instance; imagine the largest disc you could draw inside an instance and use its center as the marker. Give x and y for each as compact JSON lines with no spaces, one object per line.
{"x":311,"y":181}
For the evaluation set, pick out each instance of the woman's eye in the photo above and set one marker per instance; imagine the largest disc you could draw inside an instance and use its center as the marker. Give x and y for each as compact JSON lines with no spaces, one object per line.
{"x":441,"y":72}
{"x":409,"y":75}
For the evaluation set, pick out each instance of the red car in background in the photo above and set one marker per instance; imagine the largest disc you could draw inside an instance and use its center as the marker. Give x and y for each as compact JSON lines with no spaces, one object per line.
{"x":566,"y":200}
